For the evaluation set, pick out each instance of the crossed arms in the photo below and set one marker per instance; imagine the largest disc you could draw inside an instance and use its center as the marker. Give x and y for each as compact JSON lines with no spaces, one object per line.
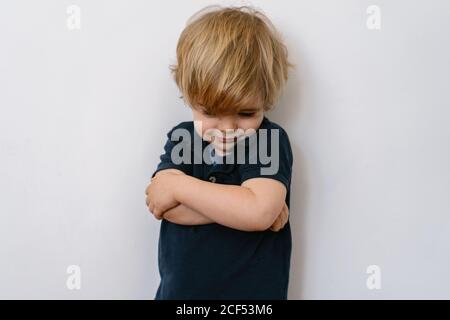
{"x":256,"y":205}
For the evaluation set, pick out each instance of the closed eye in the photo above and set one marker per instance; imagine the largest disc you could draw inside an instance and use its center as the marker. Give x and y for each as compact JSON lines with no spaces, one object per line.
{"x":207,"y":113}
{"x":246,"y":114}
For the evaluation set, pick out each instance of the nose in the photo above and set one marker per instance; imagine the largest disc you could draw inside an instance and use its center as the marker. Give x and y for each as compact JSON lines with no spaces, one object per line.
{"x":227,"y":123}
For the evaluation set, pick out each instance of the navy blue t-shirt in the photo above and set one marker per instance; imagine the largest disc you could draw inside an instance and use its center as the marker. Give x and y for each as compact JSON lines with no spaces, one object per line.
{"x":213,"y":261}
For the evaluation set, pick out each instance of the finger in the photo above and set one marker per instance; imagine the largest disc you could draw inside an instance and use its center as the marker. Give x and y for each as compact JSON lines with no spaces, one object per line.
{"x":158,"y":214}
{"x":272,"y":227}
{"x":280,"y":222}
{"x":285,"y":213}
{"x":283,"y":223}
{"x":285,"y":220}
{"x":147,"y":189}
{"x":276,"y":225}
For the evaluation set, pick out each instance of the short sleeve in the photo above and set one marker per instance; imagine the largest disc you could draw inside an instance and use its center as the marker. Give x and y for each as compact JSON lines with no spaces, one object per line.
{"x":166,"y":157}
{"x":274,"y":161}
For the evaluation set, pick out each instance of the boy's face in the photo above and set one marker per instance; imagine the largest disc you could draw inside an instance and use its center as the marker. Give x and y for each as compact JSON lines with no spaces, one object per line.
{"x":222,"y":130}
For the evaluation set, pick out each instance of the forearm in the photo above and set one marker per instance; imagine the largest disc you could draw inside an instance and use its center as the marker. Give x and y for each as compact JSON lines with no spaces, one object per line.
{"x":229,"y":205}
{"x":184,"y":215}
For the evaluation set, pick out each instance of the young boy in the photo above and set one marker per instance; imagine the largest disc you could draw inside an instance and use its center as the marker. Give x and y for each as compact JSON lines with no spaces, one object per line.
{"x":224,"y":230}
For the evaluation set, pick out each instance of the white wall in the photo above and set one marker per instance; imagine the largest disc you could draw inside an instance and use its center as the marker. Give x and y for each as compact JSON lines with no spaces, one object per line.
{"x":84,"y":115}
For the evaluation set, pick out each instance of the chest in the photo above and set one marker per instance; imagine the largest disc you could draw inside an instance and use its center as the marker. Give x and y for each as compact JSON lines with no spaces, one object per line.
{"x":221,"y":173}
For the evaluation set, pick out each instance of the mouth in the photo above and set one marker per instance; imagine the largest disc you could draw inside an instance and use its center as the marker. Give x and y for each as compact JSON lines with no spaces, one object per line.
{"x":223,"y":140}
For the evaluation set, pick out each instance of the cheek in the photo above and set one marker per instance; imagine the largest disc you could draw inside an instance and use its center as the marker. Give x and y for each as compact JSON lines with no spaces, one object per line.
{"x":202,"y":126}
{"x":252,"y":123}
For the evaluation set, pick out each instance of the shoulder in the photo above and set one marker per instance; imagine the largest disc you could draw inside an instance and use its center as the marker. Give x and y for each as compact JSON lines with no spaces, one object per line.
{"x":271,"y":125}
{"x":181,"y":130}
{"x":187,"y":125}
{"x":284,"y":141}
{"x":269,"y":155}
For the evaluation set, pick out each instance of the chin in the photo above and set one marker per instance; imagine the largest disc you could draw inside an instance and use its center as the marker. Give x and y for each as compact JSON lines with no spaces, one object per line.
{"x":224,"y":148}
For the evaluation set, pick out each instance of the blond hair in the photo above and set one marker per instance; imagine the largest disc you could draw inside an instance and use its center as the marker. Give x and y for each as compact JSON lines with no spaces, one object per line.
{"x":227,"y":58}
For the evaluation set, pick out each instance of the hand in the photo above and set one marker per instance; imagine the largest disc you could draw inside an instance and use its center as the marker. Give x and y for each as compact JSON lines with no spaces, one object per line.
{"x":160,"y":196}
{"x":281,"y":220}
